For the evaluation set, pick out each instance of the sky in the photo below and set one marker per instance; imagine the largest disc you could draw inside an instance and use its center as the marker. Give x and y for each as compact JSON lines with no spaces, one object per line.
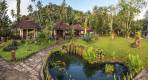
{"x":82,"y":5}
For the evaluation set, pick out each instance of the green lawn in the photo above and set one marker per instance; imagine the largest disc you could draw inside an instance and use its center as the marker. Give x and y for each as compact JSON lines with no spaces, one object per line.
{"x":121,"y":47}
{"x":24,"y":50}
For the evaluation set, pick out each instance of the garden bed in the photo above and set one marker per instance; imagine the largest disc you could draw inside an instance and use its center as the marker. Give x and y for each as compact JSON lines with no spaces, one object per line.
{"x":24,"y":50}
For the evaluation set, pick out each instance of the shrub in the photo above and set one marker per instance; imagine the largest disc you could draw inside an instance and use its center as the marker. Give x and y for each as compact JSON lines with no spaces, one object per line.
{"x":41,"y":37}
{"x":99,"y":54}
{"x":23,"y":41}
{"x":135,"y":64}
{"x":90,"y":54}
{"x":87,"y":37}
{"x":12,"y":46}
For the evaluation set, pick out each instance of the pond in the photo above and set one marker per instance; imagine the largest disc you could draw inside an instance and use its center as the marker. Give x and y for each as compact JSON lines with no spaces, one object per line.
{"x":71,"y":67}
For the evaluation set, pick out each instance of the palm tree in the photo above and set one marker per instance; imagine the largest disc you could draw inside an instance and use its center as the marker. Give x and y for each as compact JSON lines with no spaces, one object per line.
{"x":18,"y":10}
{"x":30,"y":8}
{"x":39,"y":6}
{"x":63,"y":11}
{"x":12,"y":13}
{"x":3,"y":8}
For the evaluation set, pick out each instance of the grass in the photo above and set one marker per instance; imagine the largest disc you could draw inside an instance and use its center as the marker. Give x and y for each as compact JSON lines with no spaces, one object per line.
{"x":119,"y":47}
{"x":24,"y":50}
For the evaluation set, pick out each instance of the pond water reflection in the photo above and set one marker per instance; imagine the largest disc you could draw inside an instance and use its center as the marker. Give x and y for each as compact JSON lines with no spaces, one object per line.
{"x":71,"y":67}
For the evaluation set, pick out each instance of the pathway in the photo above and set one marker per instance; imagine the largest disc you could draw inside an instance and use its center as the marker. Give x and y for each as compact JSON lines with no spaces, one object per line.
{"x":143,"y":75}
{"x":24,"y":70}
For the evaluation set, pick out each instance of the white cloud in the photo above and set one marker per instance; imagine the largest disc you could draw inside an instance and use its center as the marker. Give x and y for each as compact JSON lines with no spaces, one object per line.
{"x":23,"y":7}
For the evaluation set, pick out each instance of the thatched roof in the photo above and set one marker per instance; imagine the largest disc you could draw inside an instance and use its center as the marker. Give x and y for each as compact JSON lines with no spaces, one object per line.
{"x":61,"y":26}
{"x":28,"y":24}
{"x":77,"y":27}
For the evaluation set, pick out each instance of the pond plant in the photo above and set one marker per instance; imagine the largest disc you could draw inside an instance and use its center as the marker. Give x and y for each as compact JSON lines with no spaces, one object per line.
{"x":109,"y":68}
{"x":99,"y":54}
{"x":135,"y":65}
{"x":90,"y":55}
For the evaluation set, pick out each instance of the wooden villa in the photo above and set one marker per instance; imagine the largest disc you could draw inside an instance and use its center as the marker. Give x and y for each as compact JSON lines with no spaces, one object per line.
{"x":78,"y":30}
{"x":28,"y":29}
{"x":61,"y":30}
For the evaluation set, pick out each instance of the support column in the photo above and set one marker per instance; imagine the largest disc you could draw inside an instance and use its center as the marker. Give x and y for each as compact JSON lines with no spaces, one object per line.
{"x":27,"y":34}
{"x":21,"y":33}
{"x":35,"y":33}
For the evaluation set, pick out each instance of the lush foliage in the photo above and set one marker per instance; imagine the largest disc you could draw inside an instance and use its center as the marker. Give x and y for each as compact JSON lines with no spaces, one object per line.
{"x":135,"y":64}
{"x":87,"y":52}
{"x":87,"y":37}
{"x":42,"y":37}
{"x":25,"y":49}
{"x":5,"y":29}
{"x":104,"y":20}
{"x":90,"y":54}
{"x":12,"y":46}
{"x":118,"y":49}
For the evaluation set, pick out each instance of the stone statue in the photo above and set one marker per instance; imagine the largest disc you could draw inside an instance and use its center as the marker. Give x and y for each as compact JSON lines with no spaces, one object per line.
{"x":137,"y":43}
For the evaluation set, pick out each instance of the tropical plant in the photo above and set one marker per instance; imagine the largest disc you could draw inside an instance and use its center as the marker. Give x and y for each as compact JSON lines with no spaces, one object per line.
{"x":42,"y":37}
{"x":90,"y":55}
{"x":12,"y":46}
{"x":87,"y":37}
{"x":135,"y":64}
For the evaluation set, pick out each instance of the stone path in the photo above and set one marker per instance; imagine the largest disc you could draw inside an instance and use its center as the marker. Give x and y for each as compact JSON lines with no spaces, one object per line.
{"x":143,"y":75}
{"x":28,"y":69}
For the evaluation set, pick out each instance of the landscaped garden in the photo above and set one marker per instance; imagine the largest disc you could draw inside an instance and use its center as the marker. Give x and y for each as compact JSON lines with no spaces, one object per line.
{"x":102,"y":51}
{"x":59,"y":42}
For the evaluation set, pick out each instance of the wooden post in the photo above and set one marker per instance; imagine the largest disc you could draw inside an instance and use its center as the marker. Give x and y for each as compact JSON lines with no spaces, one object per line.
{"x":20,"y":33}
{"x":13,"y":55}
{"x":35,"y":33}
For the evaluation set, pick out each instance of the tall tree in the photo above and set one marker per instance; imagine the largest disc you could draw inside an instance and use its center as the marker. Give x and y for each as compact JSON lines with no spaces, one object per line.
{"x":129,"y":9}
{"x":4,"y":19}
{"x":18,"y":10}
{"x":111,"y":13}
{"x":63,"y":11}
{"x":39,"y":6}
